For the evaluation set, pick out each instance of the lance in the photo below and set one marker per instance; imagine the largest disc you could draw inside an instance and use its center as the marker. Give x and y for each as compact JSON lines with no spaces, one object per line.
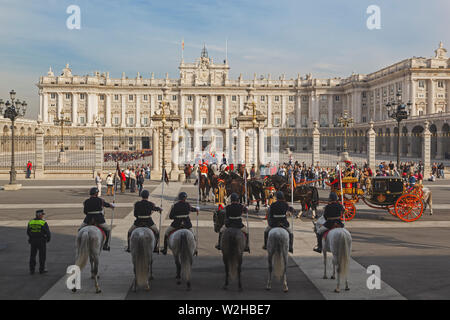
{"x":161,"y":203}
{"x":114,"y":202}
{"x":292,"y":199}
{"x":198,"y":202}
{"x":342,"y":193}
{"x":245,"y":186}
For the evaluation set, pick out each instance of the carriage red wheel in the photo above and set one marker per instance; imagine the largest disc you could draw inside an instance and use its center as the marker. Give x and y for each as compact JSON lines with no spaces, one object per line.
{"x":349,"y":212}
{"x":409,"y":207}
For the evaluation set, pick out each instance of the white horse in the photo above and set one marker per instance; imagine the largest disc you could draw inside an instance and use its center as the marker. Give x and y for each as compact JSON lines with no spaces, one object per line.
{"x":142,"y":242}
{"x":89,"y":245}
{"x":277,"y":250}
{"x":182,"y":243}
{"x":427,"y":199}
{"x":339,"y":243}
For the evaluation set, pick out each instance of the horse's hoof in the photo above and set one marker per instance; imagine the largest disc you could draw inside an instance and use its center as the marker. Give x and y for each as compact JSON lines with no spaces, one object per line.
{"x":347,"y":289}
{"x":333,"y":277}
{"x":98,"y":291}
{"x":147,"y":288}
{"x":285,"y":290}
{"x":337,"y":290}
{"x":268,"y":288}
{"x":74,"y":290}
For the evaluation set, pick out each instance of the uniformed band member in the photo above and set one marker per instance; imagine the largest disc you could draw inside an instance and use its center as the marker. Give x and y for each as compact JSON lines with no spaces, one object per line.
{"x":94,"y":211}
{"x":180,"y":216}
{"x":143,"y":211}
{"x":332,"y":214}
{"x":38,"y":236}
{"x":277,"y":218}
{"x":233,"y":219}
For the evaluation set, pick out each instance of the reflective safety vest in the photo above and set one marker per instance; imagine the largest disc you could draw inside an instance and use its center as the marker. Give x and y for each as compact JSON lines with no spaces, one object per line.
{"x":36,"y":225}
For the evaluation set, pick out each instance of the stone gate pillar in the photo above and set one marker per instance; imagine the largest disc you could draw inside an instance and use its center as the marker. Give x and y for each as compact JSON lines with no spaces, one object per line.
{"x":316,"y":144}
{"x":371,"y":147}
{"x":426,"y":151}
{"x":39,"y":153}
{"x":99,"y":157}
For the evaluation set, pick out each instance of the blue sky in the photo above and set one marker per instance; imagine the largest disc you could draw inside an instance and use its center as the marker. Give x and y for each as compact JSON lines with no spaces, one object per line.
{"x":327,"y":38}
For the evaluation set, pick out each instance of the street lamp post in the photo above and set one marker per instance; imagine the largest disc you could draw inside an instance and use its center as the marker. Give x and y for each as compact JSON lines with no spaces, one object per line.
{"x":61,"y":121}
{"x":13,"y":110}
{"x":344,"y":122}
{"x":398,"y":111}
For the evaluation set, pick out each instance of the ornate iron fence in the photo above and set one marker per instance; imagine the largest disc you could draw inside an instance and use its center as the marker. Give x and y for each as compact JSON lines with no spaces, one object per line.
{"x":78,"y":153}
{"x":24,"y":151}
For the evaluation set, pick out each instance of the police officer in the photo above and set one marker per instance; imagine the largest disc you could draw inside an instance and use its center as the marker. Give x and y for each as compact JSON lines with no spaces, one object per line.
{"x":180,"y":216}
{"x":38,"y":236}
{"x":277,"y":218}
{"x":332,"y":214}
{"x":94,"y":211}
{"x":233,"y":219}
{"x":142,"y":211}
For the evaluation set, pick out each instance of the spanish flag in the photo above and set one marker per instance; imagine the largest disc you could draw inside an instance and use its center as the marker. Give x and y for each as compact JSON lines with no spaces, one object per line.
{"x":182,"y":44}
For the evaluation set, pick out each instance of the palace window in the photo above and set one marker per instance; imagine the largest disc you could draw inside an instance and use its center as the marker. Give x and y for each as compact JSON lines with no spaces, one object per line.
{"x":337,"y":98}
{"x":263,"y":98}
{"x":189,"y":98}
{"x":233,"y":121}
{"x":219,"y":120}
{"x":130,"y":97}
{"x":102,"y":97}
{"x":440,"y":84}
{"x":159,"y":97}
{"x":145,"y":97}
{"x":116,"y":120}
{"x":204,"y":120}
{"x":189,"y":121}
{"x":67,"y":96}
{"x":276,"y":121}
{"x":233,"y":98}
{"x":82,"y":120}
{"x":219,"y":98}
{"x":291,"y":98}
{"x":52,"y":95}
{"x":323,"y":97}
{"x":277,"y":98}
{"x":116,"y":97}
{"x":145,"y":121}
{"x":174,"y":98}
{"x":82,"y":96}
{"x":421,"y":84}
{"x":304,"y":98}
{"x":130,"y":121}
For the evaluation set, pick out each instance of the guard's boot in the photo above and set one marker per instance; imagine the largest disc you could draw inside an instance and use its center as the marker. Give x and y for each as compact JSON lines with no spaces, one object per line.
{"x":164,"y":250}
{"x":265,"y":240}
{"x":156,"y":249}
{"x":196,"y":181}
{"x":291,"y":243}
{"x":247,"y":248}
{"x":218,"y":247}
{"x":106,"y":244}
{"x":127,"y":249}
{"x":318,"y":248}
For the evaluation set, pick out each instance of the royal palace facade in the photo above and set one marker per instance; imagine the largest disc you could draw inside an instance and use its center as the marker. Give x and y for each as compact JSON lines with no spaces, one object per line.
{"x":208,"y":106}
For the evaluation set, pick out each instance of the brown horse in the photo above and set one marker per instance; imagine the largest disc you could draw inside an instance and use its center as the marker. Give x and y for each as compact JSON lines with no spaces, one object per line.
{"x":188,"y":172}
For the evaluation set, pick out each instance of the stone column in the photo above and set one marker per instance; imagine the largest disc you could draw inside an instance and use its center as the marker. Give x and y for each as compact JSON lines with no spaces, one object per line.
{"x":45,"y":108}
{"x":138,"y":111}
{"x":156,"y":170}
{"x":430,"y":100}
{"x":108,"y":111}
{"x":98,"y":150}
{"x":74,"y":109}
{"x":41,"y":106}
{"x":39,"y":155}
{"x":298,"y":112}
{"x":212,"y":109}
{"x":123,"y":121}
{"x":196,"y":109}
{"x":182,"y":108}
{"x":228,"y":145}
{"x":261,"y":147}
{"x":226,"y":108}
{"x":241,"y":103}
{"x":197,"y":135}
{"x":269,"y":111}
{"x":426,"y":150}
{"x":413,"y":98}
{"x":283,"y":111}
{"x":175,"y":173}
{"x":371,"y":147}
{"x":241,"y":147}
{"x":60,"y":104}
{"x":316,"y":144}
{"x":330,"y":110}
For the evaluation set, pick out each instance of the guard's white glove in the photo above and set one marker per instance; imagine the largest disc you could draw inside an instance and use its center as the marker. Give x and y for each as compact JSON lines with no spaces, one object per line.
{"x":113,"y":205}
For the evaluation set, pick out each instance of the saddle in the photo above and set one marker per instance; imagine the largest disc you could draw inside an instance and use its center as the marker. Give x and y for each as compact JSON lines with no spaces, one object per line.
{"x":175,"y":230}
{"x":335,"y":225}
{"x":99,"y":228}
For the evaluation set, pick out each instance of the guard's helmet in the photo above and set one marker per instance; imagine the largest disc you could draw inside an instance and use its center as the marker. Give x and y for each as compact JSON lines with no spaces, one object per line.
{"x":182,"y":196}
{"x":279,"y":195}
{"x":145,"y":194}
{"x":234,"y":197}
{"x":333,"y":197}
{"x":93,"y":191}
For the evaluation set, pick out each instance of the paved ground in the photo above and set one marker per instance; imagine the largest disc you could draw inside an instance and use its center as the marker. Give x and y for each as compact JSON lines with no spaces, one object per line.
{"x":414,"y":257}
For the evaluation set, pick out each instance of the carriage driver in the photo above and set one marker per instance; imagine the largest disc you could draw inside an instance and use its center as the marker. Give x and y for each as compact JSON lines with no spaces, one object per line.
{"x":332,"y":213}
{"x":233,"y":219}
{"x":94,"y":210}
{"x":180,"y":216}
{"x":142,"y":211}
{"x":277,"y":218}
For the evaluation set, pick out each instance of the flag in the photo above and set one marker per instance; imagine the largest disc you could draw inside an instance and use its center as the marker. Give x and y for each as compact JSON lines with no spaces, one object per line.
{"x":182,"y":44}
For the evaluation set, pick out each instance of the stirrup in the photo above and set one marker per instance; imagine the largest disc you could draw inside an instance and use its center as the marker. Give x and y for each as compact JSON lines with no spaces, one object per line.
{"x":218,"y":247}
{"x":127,"y":249}
{"x":164,"y":251}
{"x":106,"y":248}
{"x":317,"y":249}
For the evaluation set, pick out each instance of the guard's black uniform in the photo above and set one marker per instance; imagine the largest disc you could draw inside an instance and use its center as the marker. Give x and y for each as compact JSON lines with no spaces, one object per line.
{"x":277,"y":214}
{"x":144,"y":208}
{"x":233,"y":215}
{"x":95,"y":204}
{"x":38,"y":236}
{"x":180,"y":215}
{"x":332,"y":214}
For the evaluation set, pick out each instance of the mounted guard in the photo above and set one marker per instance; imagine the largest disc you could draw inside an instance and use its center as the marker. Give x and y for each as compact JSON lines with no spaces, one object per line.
{"x":276,"y":217}
{"x":94,"y":211}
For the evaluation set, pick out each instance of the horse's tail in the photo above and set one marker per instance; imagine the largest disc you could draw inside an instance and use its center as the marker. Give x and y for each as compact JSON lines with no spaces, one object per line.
{"x":185,"y":257}
{"x":279,"y":258}
{"x":233,"y":255}
{"x":141,"y":258}
{"x":345,"y":244}
{"x":315,"y":197}
{"x":82,"y":249}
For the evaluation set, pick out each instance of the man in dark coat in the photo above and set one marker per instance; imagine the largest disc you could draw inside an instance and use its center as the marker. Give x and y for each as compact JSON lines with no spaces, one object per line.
{"x":38,"y":235}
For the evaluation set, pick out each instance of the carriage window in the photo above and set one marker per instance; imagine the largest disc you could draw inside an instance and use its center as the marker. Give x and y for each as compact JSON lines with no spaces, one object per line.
{"x":380,"y":186}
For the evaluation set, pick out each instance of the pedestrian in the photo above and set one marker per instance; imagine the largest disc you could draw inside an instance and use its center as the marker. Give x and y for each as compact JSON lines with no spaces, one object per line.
{"x":132,"y":181}
{"x":122,"y":181}
{"x":98,"y":183}
{"x":29,"y":167}
{"x":38,"y":235}
{"x":109,"y":185}
{"x":140,"y":181}
{"x":127,"y":177}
